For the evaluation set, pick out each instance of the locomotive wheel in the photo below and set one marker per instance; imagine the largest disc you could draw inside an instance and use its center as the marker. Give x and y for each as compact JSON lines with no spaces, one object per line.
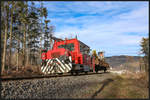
{"x":105,"y":70}
{"x":77,"y":73}
{"x":96,"y":70}
{"x":71,"y":73}
{"x":86,"y":72}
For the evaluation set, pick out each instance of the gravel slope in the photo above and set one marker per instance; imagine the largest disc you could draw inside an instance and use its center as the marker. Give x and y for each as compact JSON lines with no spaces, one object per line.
{"x":59,"y":87}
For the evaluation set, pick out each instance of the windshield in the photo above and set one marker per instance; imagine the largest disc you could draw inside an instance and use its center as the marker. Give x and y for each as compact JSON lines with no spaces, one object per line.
{"x":69,"y":46}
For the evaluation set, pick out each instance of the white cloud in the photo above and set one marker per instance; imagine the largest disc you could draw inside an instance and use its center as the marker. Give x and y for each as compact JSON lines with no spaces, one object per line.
{"x":110,"y":31}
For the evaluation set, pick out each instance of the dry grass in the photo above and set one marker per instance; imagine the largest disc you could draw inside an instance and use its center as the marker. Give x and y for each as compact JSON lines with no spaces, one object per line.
{"x":26,"y":71}
{"x":120,"y":86}
{"x":132,"y":75}
{"x":23,"y":71}
{"x":126,"y":86}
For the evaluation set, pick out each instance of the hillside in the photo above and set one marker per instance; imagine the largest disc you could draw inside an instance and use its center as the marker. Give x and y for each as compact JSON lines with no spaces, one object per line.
{"x":122,"y":62}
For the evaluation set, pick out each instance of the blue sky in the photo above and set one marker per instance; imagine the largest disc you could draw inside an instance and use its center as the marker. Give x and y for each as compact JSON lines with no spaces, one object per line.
{"x":114,"y":27}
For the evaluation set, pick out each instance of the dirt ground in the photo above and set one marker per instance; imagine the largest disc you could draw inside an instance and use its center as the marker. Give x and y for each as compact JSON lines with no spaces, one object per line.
{"x":120,"y":87}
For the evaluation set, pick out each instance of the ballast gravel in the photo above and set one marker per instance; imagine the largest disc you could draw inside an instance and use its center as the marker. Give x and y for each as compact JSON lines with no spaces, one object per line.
{"x":56,"y":87}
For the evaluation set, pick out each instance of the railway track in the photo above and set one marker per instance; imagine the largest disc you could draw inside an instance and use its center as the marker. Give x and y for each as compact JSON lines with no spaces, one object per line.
{"x":48,"y":76}
{"x":65,"y":86}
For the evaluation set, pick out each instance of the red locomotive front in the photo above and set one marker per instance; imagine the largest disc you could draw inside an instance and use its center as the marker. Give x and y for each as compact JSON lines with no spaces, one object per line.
{"x":67,"y":56}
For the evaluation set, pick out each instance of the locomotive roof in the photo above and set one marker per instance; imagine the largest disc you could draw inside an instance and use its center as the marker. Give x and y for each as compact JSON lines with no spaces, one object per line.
{"x":79,"y":42}
{"x":83,"y":44}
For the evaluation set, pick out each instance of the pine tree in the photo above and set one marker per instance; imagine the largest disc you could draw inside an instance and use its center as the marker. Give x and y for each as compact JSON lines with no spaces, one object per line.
{"x":6,"y":15}
{"x":34,"y":33}
{"x":11,"y":31}
{"x":145,"y":50}
{"x":22,"y":27}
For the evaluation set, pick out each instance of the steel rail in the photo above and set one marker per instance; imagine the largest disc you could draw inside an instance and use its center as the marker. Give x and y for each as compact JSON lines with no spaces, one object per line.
{"x":47,"y":76}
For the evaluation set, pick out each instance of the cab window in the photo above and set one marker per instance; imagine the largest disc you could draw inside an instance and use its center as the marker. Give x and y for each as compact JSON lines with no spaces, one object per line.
{"x":69,"y":46}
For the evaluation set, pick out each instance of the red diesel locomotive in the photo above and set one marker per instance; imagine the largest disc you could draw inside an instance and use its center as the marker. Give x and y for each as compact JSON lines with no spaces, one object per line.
{"x":67,"y":56}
